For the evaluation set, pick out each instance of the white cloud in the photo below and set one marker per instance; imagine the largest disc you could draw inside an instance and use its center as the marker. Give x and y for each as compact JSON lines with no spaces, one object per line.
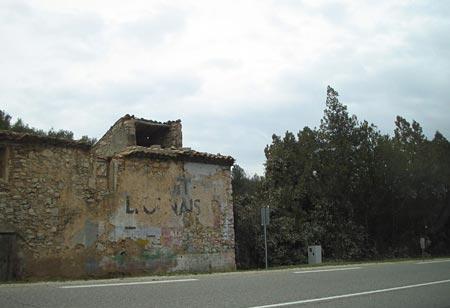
{"x":234,"y":71}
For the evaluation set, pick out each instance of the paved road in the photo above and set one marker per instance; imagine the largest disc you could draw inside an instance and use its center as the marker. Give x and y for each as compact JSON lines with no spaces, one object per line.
{"x":407,"y":284}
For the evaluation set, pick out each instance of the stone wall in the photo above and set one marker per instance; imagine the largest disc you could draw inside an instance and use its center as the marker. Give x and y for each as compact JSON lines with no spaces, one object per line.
{"x":123,"y":134}
{"x":76,"y":214}
{"x":174,"y":137}
{"x":46,"y":190}
{"x":117,"y":138}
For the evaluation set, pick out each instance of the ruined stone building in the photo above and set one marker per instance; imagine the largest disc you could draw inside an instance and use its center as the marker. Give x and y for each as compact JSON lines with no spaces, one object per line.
{"x":136,"y":201}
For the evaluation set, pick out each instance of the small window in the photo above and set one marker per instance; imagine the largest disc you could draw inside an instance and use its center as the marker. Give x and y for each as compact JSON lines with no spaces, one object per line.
{"x":3,"y":163}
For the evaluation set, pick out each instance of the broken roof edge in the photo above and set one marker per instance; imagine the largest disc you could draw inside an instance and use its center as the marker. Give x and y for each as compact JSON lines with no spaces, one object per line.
{"x":33,"y":138}
{"x":142,"y":120}
{"x":132,"y":117}
{"x":185,"y":154}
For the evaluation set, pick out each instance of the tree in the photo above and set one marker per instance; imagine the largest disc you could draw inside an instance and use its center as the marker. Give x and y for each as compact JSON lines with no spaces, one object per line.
{"x":20,"y":127}
{"x":5,"y":120}
{"x":246,"y":223}
{"x":88,"y":140}
{"x":62,"y":134}
{"x":344,"y":185}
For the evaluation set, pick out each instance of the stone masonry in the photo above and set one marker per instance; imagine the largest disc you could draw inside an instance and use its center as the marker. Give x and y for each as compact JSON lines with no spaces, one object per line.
{"x":135,"y":202}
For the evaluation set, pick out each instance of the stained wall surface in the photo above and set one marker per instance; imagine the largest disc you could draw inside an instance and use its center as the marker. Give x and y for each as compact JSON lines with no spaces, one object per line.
{"x":76,"y":214}
{"x":171,"y":216}
{"x":46,"y":191}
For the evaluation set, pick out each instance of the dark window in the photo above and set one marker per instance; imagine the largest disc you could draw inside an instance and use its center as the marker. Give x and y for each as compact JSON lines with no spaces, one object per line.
{"x":153,"y":134}
{"x":8,"y":260}
{"x":3,"y":163}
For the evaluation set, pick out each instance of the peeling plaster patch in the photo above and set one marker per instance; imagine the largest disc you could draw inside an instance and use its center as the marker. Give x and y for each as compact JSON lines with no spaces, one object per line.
{"x":146,"y":233}
{"x":88,"y":235}
{"x":91,"y":232}
{"x":201,"y":170}
{"x":101,"y":227}
{"x":226,"y":228}
{"x":122,"y":217}
{"x":172,"y":237}
{"x":204,"y":262}
{"x":91,"y":266}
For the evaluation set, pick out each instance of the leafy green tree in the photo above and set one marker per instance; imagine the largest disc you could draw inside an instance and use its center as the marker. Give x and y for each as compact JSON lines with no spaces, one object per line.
{"x":344,"y":185}
{"x":438,"y":218}
{"x":246,"y":220}
{"x":20,"y":127}
{"x":5,"y":120}
{"x":88,"y":140}
{"x":62,"y":134}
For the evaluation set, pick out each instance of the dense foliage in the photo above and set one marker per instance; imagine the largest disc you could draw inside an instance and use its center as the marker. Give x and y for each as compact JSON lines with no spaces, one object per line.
{"x":358,"y":193}
{"x":20,"y":127}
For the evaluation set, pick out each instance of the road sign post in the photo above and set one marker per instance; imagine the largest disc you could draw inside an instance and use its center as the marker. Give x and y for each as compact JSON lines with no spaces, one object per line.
{"x":265,"y":220}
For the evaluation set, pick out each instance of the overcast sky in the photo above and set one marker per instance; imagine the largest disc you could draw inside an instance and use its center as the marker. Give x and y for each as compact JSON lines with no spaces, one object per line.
{"x":234,"y":72}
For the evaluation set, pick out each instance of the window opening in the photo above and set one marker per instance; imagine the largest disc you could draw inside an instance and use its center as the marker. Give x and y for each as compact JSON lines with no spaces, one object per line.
{"x":147,"y":135}
{"x":3,"y":163}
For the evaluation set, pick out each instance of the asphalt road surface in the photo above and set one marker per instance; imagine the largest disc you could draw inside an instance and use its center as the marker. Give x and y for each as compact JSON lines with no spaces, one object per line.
{"x":405,"y":284}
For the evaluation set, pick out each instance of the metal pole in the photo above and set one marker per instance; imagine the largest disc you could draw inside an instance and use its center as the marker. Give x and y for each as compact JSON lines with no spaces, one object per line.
{"x":265,"y":241}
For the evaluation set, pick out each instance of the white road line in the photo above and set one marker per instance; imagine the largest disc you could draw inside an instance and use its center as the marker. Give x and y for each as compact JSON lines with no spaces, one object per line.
{"x":434,"y":261}
{"x":321,"y":299}
{"x":124,"y":283}
{"x":328,"y":270}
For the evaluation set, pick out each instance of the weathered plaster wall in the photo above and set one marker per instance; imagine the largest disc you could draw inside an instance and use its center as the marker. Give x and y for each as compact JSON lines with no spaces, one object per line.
{"x":177,"y":213}
{"x":76,"y":214}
